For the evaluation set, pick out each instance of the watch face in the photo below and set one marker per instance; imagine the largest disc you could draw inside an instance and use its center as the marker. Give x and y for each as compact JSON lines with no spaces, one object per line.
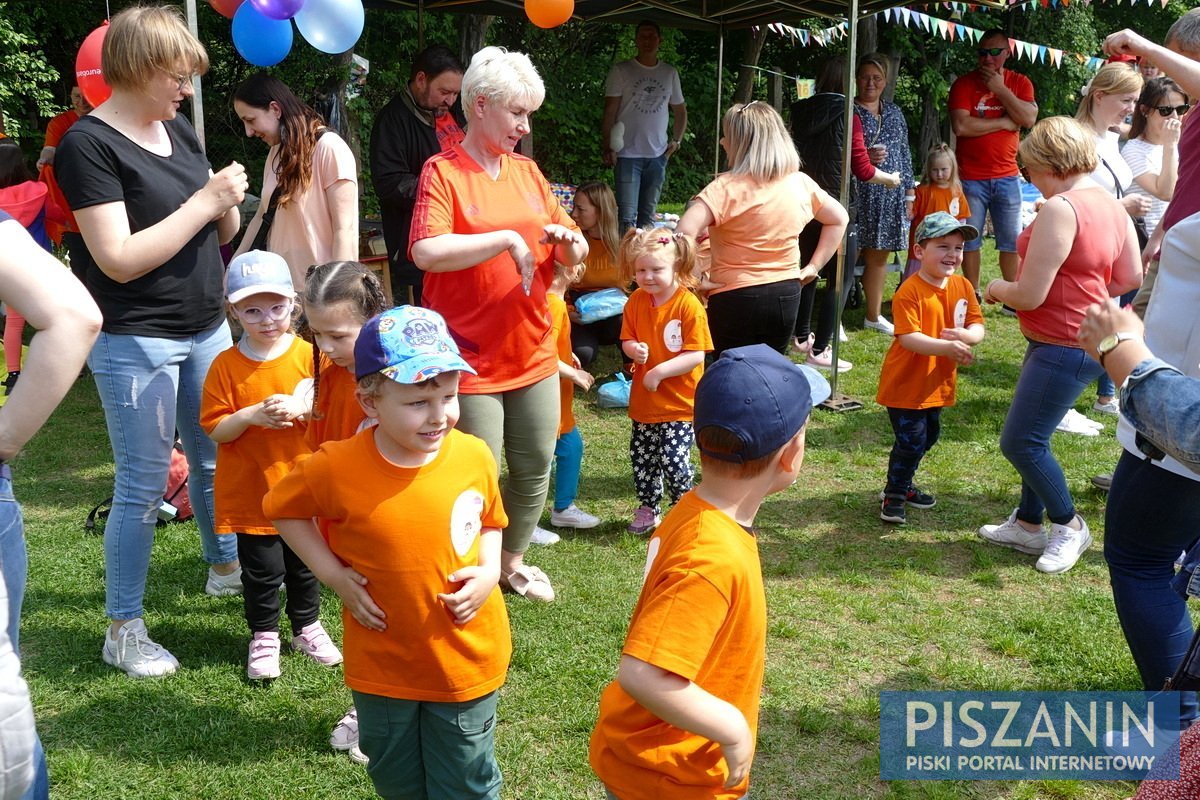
{"x":1107,"y":343}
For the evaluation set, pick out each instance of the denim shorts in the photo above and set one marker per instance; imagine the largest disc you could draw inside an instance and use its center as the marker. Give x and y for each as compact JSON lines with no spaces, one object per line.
{"x":1002,"y":198}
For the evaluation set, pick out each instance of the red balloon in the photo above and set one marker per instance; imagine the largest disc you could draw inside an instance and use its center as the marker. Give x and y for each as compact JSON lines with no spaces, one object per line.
{"x":88,"y":76}
{"x":549,"y":13}
{"x":226,"y":8}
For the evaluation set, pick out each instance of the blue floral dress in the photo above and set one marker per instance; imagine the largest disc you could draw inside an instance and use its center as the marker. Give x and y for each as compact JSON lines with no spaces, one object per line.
{"x":882,"y":219}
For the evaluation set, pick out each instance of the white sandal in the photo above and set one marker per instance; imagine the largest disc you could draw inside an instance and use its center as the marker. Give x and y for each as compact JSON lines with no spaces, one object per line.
{"x":529,"y":582}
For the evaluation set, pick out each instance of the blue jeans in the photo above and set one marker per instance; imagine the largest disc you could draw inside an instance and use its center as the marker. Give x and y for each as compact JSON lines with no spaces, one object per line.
{"x":14,"y":568}
{"x":1052,"y":378}
{"x":150,"y":387}
{"x":568,"y":462}
{"x":1002,"y":197}
{"x":917,"y":431}
{"x":639,"y":182}
{"x":1152,"y":515}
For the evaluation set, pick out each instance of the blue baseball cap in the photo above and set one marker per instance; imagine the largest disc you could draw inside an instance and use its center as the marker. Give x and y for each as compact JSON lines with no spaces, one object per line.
{"x":257,"y":272}
{"x":407,"y":344}
{"x":758,"y":395}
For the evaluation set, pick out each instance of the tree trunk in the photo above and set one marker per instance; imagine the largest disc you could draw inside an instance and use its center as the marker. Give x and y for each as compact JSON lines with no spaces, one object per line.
{"x":472,"y":30}
{"x":930,"y":131}
{"x":868,"y":36}
{"x":750,"y":55}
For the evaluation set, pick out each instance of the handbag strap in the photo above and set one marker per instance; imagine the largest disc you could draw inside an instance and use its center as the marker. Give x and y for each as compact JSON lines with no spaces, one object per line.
{"x":1116,"y":180}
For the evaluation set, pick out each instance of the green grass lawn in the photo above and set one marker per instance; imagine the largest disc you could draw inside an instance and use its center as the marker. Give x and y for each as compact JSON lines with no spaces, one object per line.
{"x":856,"y":606}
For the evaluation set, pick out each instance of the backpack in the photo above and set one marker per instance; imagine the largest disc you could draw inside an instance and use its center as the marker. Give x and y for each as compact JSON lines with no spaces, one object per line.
{"x":176,"y":505}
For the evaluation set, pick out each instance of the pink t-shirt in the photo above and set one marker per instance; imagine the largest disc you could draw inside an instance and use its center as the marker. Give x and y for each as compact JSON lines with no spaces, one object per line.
{"x":303,"y":229}
{"x":1084,"y":277}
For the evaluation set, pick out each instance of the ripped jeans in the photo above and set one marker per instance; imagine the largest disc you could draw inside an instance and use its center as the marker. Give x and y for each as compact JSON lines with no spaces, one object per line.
{"x":149,"y":387}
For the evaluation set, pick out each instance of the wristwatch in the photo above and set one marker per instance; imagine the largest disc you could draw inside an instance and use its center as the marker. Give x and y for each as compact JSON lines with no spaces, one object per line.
{"x":1110,"y":342}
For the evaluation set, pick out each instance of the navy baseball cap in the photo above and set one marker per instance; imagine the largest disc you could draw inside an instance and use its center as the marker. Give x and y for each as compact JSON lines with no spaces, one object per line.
{"x":407,"y":344}
{"x":758,"y":395}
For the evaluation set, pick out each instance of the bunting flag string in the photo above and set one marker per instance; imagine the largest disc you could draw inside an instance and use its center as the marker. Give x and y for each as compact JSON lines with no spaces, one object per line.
{"x":949,"y":30}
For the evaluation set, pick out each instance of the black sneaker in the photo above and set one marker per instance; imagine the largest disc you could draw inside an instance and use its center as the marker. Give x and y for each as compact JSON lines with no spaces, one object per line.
{"x":916,"y":498}
{"x":892,"y":510}
{"x":10,"y":380}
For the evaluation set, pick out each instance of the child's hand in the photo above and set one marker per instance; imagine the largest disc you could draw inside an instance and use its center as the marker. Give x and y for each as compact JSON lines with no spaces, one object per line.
{"x":739,"y":753}
{"x":651,"y":380}
{"x":350,"y":586}
{"x":266,"y":416}
{"x":583,"y":379}
{"x":283,"y":407}
{"x":477,"y":584}
{"x":953,"y":334}
{"x":641,"y":353}
{"x":961,"y":352}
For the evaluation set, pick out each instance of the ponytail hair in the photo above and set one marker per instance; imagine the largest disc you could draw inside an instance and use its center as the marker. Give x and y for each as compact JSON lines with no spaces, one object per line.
{"x":638,"y":242}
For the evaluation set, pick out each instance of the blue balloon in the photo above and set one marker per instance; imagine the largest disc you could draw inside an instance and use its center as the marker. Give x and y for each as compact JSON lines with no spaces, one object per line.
{"x":262,"y":41}
{"x":331,"y":26}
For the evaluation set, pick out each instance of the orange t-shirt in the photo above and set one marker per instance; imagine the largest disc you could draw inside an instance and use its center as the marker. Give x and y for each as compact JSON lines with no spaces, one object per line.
{"x":405,"y":530}
{"x":501,"y":332}
{"x":56,"y":128}
{"x":677,"y":325}
{"x":252,"y":463}
{"x":912,"y":380}
{"x":756,"y":225}
{"x":931,"y":198}
{"x":560,"y":331}
{"x":702,"y":614}
{"x":1083,"y":277}
{"x":336,"y":412}
{"x":600,"y":269}
{"x":993,"y":155}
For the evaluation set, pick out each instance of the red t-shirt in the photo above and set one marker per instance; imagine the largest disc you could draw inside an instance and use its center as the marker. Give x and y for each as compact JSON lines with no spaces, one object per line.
{"x":993,"y":155}
{"x":1186,"y":200}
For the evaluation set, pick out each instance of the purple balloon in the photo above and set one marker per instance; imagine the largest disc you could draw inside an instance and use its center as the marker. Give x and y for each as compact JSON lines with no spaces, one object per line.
{"x":278,"y":9}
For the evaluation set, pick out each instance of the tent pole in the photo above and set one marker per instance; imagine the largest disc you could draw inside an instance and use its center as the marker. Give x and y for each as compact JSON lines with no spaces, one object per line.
{"x":838,"y":401}
{"x":720,"y":73}
{"x":197,"y":95}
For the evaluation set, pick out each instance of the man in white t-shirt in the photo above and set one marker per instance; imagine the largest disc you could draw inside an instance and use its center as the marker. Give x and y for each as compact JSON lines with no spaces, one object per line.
{"x":638,"y":95}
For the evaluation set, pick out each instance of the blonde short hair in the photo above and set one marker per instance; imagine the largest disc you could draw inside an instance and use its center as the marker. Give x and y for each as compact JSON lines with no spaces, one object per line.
{"x":1115,"y":78}
{"x":1062,"y":146}
{"x":501,"y":76}
{"x":144,"y":39}
{"x":758,"y":142}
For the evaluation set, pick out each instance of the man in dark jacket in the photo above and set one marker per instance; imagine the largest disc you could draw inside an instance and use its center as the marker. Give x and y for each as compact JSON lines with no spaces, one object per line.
{"x":421,"y":120}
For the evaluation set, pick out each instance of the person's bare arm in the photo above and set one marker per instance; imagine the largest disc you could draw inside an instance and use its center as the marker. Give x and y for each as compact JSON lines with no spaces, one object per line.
{"x":342,"y":198}
{"x":967,"y":126}
{"x":678,"y":127}
{"x":125,"y":256}
{"x":1050,"y":244}
{"x":1182,"y":69}
{"x":67,"y":321}
{"x":1022,"y":112}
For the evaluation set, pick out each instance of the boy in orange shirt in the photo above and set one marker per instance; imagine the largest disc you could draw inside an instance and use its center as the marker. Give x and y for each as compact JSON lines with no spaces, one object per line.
{"x":679,"y":721}
{"x":937,"y":321}
{"x":413,"y":515}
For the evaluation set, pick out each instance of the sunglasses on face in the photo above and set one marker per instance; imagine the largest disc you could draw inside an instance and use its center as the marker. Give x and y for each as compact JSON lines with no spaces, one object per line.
{"x":991,"y":51}
{"x":1166,"y":111}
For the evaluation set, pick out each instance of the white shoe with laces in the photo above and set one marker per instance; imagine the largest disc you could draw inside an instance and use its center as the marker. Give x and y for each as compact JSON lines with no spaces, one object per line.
{"x":573,"y":517}
{"x":219,"y":585}
{"x":1111,"y":407}
{"x":543,"y":537}
{"x":1065,"y":547}
{"x":1074,"y":422}
{"x":1010,"y":533}
{"x":883,"y":325}
{"x":133,"y":651}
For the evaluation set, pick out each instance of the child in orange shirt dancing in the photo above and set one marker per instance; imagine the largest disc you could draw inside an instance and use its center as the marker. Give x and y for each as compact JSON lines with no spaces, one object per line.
{"x":937,"y":322}
{"x":680,"y":720}
{"x":413,"y":515}
{"x":665,"y":333}
{"x":254,"y":400}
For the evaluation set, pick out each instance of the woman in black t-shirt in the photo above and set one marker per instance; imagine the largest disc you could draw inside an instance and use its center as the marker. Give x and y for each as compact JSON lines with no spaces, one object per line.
{"x":153,"y":216}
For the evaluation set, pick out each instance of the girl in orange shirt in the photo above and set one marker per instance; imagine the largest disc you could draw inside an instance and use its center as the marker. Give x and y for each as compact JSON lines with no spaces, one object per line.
{"x":665,"y":333}
{"x":940,"y":190}
{"x":339,"y":297}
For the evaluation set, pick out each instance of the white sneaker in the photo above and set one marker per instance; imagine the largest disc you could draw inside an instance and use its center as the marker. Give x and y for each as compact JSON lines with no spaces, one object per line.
{"x":1010,"y":534}
{"x":573,"y":517}
{"x":1111,"y":407}
{"x":542,"y":536}
{"x":842,"y":337}
{"x":223,"y":585}
{"x":133,"y":651}
{"x":883,"y":325}
{"x":1065,"y":547}
{"x":345,"y":734}
{"x":1074,"y":422}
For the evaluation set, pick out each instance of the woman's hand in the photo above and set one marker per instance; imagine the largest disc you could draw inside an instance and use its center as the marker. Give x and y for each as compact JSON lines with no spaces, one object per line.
{"x":225,"y":189}
{"x":559,"y":234}
{"x":1171,"y":130}
{"x":1136,"y":204}
{"x":988,"y":297}
{"x":808,"y":274}
{"x":522,"y":256}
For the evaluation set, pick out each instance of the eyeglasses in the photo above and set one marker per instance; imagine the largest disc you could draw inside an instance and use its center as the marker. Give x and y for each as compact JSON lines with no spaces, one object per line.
{"x":1166,"y":111}
{"x":180,"y":80}
{"x":991,"y":51}
{"x":257,"y":316}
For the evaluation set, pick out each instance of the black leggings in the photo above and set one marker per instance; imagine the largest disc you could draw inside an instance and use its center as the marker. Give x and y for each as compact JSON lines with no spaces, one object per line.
{"x":267,"y":564}
{"x":826,"y":328}
{"x":763,"y":314}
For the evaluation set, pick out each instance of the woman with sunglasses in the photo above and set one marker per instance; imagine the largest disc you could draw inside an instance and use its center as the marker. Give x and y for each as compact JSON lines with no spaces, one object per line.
{"x":1152,"y":151}
{"x":310,"y":181}
{"x":153,"y":216}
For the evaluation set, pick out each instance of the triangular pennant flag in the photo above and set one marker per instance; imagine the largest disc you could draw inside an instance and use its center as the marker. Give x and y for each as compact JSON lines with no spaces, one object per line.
{"x":960,"y":30}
